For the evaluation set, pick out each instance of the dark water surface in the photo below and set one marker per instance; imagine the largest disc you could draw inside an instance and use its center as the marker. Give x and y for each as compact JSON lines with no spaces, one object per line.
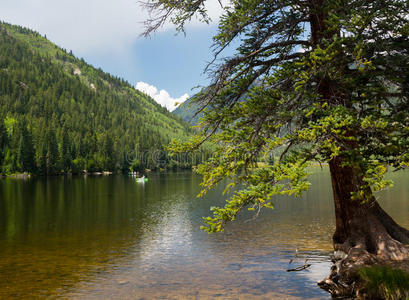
{"x":112,"y":238}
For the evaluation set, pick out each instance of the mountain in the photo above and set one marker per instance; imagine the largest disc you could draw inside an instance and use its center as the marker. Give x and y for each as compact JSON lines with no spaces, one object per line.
{"x":187,"y":112}
{"x":59,"y":114}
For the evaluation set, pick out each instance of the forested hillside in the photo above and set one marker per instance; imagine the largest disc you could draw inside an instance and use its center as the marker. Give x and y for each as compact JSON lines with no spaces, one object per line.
{"x":58,"y":114}
{"x":191,"y":110}
{"x":187,"y":111}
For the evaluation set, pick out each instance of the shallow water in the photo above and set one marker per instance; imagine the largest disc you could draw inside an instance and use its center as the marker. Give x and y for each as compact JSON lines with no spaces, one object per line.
{"x":110,"y":237}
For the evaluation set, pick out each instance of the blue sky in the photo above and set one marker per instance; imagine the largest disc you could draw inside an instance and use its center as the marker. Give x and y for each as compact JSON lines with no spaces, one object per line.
{"x":173,"y":63}
{"x":106,"y":34}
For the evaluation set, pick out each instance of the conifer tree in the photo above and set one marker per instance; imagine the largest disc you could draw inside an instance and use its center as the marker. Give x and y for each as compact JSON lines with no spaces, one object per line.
{"x":41,"y":156}
{"x":52,"y":155}
{"x":315,"y":81}
{"x":3,"y":141}
{"x":26,"y":151}
{"x":65,"y":152}
{"x":108,"y":153}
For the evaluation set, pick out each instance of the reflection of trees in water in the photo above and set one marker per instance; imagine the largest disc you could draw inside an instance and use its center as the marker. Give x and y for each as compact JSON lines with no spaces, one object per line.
{"x":110,"y":235}
{"x":59,"y":204}
{"x":59,"y":231}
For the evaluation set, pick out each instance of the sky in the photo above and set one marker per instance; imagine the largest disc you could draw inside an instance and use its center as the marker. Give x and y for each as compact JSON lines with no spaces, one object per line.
{"x":106,"y":34}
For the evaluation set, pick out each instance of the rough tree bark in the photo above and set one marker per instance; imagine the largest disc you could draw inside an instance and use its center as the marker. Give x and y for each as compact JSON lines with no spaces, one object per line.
{"x":364,"y":235}
{"x":365,"y":226}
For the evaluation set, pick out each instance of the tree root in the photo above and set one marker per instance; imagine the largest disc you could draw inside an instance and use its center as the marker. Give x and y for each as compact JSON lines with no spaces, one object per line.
{"x":344,"y":280}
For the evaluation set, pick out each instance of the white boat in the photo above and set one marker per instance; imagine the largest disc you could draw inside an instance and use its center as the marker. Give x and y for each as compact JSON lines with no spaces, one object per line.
{"x":142,"y":179}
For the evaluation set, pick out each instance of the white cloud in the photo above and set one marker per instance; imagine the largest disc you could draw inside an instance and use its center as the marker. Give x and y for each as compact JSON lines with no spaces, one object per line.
{"x":162,"y":97}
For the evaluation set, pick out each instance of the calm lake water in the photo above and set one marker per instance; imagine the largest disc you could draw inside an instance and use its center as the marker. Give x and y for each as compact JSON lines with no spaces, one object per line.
{"x":112,"y":238}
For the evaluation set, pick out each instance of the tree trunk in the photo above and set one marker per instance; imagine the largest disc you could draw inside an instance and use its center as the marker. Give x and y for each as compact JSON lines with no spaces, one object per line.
{"x":363,"y":225}
{"x":364,"y":235}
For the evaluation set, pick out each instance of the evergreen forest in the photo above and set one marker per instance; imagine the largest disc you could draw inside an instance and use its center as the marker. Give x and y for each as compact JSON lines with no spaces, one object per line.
{"x":60,"y":115}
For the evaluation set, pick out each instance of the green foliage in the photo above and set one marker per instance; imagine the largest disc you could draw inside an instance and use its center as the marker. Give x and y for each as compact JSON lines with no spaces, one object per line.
{"x":59,"y":114}
{"x":382,"y":282}
{"x":311,"y":81}
{"x":51,"y":152}
{"x":3,"y":141}
{"x":26,"y":151}
{"x":65,"y":153}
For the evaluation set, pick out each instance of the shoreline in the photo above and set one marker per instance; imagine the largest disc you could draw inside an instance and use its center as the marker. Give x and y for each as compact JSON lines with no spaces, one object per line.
{"x":26,"y":175}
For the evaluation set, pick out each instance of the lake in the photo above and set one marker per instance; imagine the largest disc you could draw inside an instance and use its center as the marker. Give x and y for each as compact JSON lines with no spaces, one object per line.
{"x":108,"y":237}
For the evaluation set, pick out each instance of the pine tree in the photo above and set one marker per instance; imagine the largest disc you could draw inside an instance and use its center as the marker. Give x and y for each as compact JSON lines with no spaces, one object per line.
{"x":65,"y":152}
{"x":26,"y":151}
{"x":316,"y":81}
{"x":52,"y":157}
{"x":108,"y":153}
{"x":3,"y":141}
